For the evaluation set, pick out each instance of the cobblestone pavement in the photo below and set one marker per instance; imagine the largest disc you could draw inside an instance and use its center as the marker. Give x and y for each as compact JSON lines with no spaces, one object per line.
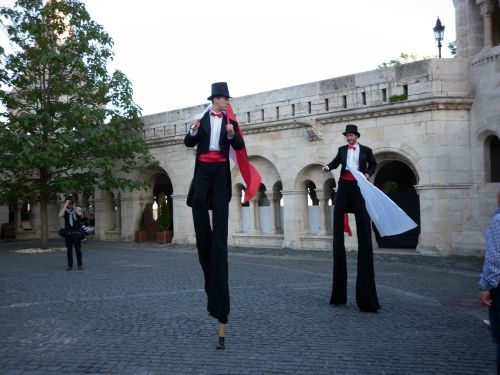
{"x":141,"y":309}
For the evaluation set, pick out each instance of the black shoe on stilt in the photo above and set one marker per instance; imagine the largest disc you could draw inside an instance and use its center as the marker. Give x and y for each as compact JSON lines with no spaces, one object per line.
{"x":222,"y":344}
{"x":221,"y":331}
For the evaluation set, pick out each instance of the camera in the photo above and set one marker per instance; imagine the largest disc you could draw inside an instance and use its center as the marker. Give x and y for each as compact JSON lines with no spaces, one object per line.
{"x":69,"y":198}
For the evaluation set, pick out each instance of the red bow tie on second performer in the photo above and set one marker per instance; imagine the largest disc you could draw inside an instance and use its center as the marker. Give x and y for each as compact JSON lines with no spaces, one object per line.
{"x":349,"y":147}
{"x":219,"y":115}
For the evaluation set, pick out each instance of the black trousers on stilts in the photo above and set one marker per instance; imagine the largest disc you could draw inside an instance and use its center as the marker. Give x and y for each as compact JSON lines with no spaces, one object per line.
{"x":210,"y":184}
{"x":349,"y":197}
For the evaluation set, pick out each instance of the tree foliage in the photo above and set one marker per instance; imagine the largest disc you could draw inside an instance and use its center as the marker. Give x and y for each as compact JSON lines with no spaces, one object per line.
{"x":67,"y":124}
{"x":404,"y":58}
{"x":452,"y":46}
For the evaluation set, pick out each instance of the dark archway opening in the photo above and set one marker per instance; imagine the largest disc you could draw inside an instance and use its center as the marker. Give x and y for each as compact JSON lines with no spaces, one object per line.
{"x":161,"y":221}
{"x":398,"y":181}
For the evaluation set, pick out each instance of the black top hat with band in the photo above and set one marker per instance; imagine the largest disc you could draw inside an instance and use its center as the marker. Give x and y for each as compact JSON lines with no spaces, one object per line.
{"x":219,"y":89}
{"x":350,"y":128}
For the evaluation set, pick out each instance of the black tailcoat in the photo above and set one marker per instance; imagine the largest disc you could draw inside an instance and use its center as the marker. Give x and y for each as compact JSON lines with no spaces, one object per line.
{"x":202,"y":142}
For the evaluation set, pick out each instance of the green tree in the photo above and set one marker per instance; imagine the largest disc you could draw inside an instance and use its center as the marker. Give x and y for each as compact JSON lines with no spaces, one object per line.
{"x":66,"y":124}
{"x":404,"y":58}
{"x":452,"y":46}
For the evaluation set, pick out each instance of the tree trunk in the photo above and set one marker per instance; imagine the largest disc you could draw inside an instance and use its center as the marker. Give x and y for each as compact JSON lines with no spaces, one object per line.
{"x":44,"y":224}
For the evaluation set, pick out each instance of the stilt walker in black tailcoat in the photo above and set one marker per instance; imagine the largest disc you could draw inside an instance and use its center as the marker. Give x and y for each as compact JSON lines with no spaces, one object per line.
{"x":211,"y":190}
{"x":349,"y":199}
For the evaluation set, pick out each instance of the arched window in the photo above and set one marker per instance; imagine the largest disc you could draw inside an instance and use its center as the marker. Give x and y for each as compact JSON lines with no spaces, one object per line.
{"x":494,"y":144}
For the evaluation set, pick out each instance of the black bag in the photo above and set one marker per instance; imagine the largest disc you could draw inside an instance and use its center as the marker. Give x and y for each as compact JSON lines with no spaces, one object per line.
{"x":78,"y":234}
{"x":75,"y":233}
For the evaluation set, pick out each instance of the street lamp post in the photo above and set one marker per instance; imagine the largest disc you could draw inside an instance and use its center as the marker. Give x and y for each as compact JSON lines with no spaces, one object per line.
{"x":439,"y":34}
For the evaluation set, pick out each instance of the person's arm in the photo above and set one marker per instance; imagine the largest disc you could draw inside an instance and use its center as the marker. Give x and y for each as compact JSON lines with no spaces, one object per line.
{"x":191,"y":138}
{"x":334,"y":163}
{"x":234,"y":137}
{"x":490,"y":277}
{"x":63,"y":210}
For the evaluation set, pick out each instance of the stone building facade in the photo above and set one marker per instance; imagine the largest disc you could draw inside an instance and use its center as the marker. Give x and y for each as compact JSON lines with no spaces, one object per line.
{"x":434,"y":127}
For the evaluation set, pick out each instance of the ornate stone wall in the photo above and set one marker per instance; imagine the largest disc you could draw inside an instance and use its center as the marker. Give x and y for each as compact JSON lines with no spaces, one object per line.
{"x":290,"y":133}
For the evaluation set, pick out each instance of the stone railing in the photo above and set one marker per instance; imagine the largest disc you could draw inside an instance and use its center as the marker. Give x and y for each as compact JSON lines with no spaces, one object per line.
{"x":349,"y":97}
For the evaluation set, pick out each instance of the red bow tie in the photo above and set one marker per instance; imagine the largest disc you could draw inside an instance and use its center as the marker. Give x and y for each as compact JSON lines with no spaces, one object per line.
{"x":213,"y":114}
{"x":349,"y":147}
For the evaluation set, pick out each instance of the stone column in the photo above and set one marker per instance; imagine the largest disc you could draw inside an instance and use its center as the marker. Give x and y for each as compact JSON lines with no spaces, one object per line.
{"x":182,"y":220}
{"x":104,"y":213}
{"x":274,"y":201}
{"x":235,"y":214}
{"x":323,"y":197}
{"x":254,"y":214}
{"x":130,"y":211}
{"x":295,"y":213}
{"x":444,"y":230}
{"x":487,"y":13}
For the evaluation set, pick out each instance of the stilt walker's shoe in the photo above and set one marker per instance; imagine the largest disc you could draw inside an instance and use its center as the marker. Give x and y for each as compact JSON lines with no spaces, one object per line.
{"x":222,"y":334}
{"x":221,"y":345}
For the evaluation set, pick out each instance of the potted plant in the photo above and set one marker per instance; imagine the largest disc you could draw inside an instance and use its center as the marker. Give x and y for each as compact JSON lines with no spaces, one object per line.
{"x":140,"y":235}
{"x":165,"y":233}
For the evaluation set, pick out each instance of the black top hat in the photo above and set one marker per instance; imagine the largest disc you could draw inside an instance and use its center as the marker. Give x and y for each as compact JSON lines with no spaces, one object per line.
{"x":219,"y":89}
{"x":351,"y":128}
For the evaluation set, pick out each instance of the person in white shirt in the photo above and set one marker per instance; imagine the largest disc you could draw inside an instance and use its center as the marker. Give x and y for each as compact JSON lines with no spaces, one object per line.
{"x":210,"y":189}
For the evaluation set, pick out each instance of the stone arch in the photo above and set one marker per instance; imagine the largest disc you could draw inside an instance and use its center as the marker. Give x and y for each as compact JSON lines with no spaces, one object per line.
{"x":484,"y":134}
{"x":266,"y":168}
{"x":239,"y":193}
{"x":311,"y":181}
{"x":388,"y":155}
{"x":488,"y":142}
{"x":310,"y":187}
{"x":395,"y":175}
{"x":133,"y":204}
{"x":261,"y":215}
{"x":329,"y":187}
{"x":162,"y":189}
{"x":313,"y":173}
{"x":492,"y":158}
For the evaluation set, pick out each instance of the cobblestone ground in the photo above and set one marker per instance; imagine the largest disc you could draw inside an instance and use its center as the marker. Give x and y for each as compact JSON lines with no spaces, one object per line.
{"x":141,"y":309}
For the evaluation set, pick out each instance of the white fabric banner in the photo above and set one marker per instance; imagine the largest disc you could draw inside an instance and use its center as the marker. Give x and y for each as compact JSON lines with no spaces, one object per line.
{"x":385,"y":214}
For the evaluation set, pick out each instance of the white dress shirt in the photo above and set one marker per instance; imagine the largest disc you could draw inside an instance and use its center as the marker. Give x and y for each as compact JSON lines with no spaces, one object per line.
{"x":353,"y":158}
{"x":215,"y":124}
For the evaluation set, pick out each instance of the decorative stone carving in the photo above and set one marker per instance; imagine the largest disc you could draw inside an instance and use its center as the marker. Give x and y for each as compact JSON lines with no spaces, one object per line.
{"x":314,"y":130}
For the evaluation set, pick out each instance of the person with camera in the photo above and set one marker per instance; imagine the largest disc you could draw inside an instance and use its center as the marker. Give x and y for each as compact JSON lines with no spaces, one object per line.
{"x":72,"y":225}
